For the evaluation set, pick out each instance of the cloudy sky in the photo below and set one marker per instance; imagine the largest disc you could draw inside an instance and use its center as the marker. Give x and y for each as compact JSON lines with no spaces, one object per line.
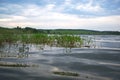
{"x":61,"y":14}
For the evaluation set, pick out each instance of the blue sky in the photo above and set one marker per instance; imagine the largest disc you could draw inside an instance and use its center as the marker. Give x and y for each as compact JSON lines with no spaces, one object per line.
{"x":61,"y":14}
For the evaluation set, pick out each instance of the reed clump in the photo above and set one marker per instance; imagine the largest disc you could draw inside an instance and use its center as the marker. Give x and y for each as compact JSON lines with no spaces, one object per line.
{"x":14,"y":65}
{"x":67,"y":41}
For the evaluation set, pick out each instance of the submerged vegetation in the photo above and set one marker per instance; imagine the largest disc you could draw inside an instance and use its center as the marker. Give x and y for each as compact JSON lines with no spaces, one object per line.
{"x":4,"y":64}
{"x":26,"y":36}
{"x":20,"y":38}
{"x":66,"y":73}
{"x":59,"y":38}
{"x":20,"y":43}
{"x":67,"y":41}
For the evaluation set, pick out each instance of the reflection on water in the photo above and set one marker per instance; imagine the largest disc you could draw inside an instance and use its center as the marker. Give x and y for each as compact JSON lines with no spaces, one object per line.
{"x":14,"y":50}
{"x":101,"y":62}
{"x":104,"y":41}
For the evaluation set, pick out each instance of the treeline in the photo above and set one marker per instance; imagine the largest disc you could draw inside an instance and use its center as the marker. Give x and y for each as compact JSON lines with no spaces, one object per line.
{"x":83,"y":32}
{"x":19,"y":30}
{"x":29,"y":30}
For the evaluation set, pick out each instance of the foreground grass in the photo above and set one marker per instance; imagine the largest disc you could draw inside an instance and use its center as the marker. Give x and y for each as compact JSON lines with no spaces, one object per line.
{"x":65,"y":73}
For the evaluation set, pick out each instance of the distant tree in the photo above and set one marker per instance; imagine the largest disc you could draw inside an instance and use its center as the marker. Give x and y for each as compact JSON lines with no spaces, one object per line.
{"x":31,"y":30}
{"x":48,"y":31}
{"x":18,"y":27}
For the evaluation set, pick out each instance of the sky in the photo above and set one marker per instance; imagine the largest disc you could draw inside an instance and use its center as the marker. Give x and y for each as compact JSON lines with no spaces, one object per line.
{"x":102,"y":15}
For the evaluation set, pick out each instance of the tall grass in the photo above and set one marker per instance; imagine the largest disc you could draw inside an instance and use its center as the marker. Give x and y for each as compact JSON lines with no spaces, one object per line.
{"x":67,"y":41}
{"x":39,"y":39}
{"x":8,"y":38}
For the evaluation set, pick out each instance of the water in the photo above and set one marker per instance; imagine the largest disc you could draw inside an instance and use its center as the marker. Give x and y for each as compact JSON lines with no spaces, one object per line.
{"x":100,"y":63}
{"x":108,"y":41}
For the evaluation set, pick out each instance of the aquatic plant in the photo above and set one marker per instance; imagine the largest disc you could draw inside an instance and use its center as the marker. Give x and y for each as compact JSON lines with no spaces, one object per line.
{"x":69,"y":41}
{"x":39,"y":38}
{"x":17,"y":64}
{"x":66,"y":73}
{"x":51,"y":41}
{"x":8,"y":38}
{"x":87,"y":41}
{"x":66,"y":41}
{"x":24,"y":38}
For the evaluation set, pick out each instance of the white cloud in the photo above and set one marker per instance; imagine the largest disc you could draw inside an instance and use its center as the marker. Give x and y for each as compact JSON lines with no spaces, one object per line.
{"x":66,"y":5}
{"x":67,"y":2}
{"x":50,"y":6}
{"x":84,"y":7}
{"x":4,"y":20}
{"x":89,"y":7}
{"x":45,"y":17}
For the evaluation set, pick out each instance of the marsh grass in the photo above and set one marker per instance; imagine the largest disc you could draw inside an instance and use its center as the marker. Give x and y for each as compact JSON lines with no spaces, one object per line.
{"x":66,"y":73}
{"x":66,"y":41}
{"x":39,"y":38}
{"x":6,"y":64}
{"x":9,"y":38}
{"x":69,"y":41}
{"x":43,"y":39}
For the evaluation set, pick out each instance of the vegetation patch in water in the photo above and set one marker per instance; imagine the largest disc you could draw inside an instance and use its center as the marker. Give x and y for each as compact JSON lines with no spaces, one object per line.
{"x":21,"y":42}
{"x":65,"y":73}
{"x":16,"y":65}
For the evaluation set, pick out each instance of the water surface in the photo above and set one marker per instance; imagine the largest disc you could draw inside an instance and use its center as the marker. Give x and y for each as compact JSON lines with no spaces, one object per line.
{"x":100,"y":63}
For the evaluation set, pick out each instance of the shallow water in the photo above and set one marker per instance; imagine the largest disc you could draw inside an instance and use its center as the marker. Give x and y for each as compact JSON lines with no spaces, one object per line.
{"x":100,"y":63}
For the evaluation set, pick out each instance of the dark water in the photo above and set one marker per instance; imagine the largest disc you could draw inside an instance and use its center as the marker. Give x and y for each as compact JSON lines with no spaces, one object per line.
{"x":101,"y":63}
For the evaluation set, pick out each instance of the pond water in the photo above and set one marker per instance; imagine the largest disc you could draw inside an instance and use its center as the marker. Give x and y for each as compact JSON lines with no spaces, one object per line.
{"x":99,"y":63}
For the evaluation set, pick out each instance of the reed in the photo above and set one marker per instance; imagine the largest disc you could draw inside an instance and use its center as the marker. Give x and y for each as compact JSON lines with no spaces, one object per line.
{"x":69,"y":41}
{"x":8,"y":38}
{"x":7,"y":64}
{"x":39,"y":38}
{"x":66,"y":41}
